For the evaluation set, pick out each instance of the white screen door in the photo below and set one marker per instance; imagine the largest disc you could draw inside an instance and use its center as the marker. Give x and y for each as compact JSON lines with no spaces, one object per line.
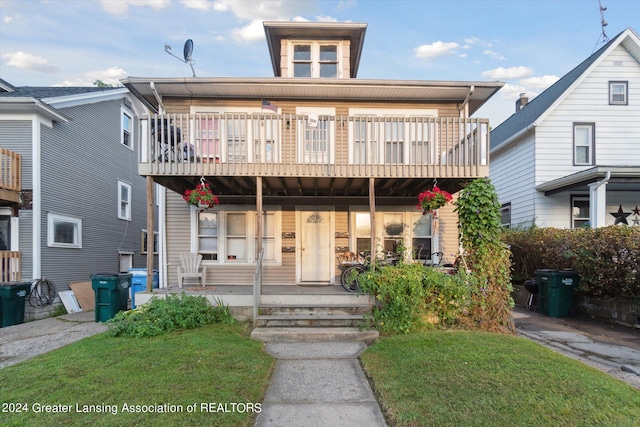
{"x":316,"y":246}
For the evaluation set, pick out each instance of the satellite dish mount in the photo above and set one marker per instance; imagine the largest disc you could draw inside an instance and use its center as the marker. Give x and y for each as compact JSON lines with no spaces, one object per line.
{"x":187,"y":52}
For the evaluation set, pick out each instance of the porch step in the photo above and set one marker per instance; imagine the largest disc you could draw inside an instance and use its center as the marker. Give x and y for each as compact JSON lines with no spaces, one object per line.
{"x":310,"y":320}
{"x":313,"y":309}
{"x":367,"y":336}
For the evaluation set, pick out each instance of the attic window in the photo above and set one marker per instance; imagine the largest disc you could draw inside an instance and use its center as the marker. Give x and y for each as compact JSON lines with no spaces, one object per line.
{"x":314,"y":59}
{"x":618,"y":93}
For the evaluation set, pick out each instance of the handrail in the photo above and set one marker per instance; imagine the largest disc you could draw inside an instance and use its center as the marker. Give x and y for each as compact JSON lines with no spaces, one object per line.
{"x":10,"y":266}
{"x":257,"y":286}
{"x":10,"y":178}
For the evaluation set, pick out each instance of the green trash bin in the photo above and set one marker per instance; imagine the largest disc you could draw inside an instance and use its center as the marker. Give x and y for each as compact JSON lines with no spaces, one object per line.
{"x":111,"y":293}
{"x":555,"y":292}
{"x":12,"y":298}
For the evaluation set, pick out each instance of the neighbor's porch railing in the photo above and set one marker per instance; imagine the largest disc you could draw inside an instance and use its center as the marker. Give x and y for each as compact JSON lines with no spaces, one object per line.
{"x":299,"y":145}
{"x":10,"y":180}
{"x":10,"y":266}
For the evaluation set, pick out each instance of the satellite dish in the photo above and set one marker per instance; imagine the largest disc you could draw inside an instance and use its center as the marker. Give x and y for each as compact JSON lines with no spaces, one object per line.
{"x":188,"y":50}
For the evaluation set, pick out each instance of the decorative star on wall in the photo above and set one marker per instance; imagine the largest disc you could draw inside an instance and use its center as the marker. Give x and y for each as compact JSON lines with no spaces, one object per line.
{"x":620,"y":216}
{"x":636,"y":221}
{"x":636,"y":211}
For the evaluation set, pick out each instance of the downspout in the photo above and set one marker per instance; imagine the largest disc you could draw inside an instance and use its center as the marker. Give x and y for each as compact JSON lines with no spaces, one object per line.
{"x":598,"y":202}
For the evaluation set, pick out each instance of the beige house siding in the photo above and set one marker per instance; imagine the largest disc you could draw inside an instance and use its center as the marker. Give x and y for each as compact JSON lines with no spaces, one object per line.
{"x":448,"y":232}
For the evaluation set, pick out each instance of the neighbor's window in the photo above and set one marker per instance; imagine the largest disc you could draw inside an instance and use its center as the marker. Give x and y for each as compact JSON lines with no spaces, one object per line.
{"x":618,"y":93}
{"x":124,"y":201}
{"x":144,"y":242}
{"x":505,"y":212}
{"x":580,"y":212}
{"x":583,"y":143}
{"x":127,"y":129}
{"x":64,"y":231}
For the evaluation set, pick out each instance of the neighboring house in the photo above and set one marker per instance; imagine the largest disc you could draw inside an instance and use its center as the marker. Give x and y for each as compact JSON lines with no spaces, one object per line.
{"x":75,"y":204}
{"x":571,"y":157}
{"x":310,"y":163}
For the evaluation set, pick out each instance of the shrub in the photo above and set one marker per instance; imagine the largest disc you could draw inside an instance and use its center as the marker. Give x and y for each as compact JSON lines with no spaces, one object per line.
{"x":172,"y":313}
{"x":607,"y":258}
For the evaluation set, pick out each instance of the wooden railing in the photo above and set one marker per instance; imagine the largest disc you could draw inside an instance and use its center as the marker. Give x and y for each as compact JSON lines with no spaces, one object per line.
{"x":10,"y":180}
{"x":305,"y":145}
{"x":10,"y":266}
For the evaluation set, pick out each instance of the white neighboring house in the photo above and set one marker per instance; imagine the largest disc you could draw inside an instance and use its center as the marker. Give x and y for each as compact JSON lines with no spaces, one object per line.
{"x":571,"y":157}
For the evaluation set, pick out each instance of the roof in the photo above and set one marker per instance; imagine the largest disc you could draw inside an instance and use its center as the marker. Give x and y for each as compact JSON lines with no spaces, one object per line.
{"x":275,"y":88}
{"x":278,"y":30}
{"x":527,"y":116}
{"x":41,"y":92}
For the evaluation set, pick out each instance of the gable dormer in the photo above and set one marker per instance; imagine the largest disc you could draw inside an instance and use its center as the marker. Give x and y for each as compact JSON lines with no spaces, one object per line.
{"x":315,"y":49}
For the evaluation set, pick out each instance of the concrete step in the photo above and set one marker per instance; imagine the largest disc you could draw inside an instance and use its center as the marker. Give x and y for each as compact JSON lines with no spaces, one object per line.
{"x":310,"y":319}
{"x":313,"y":309}
{"x":367,"y":336}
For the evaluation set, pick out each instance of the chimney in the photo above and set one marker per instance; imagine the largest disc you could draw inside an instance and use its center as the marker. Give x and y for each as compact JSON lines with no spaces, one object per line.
{"x":521,"y":102}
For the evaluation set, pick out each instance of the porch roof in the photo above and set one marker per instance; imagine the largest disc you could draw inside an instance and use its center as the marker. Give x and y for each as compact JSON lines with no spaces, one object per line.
{"x":275,"y":88}
{"x":622,"y":178}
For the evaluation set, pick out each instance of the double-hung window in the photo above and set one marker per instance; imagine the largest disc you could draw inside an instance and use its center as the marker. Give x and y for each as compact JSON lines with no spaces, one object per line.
{"x":579,"y":212}
{"x":421,"y":241}
{"x":618,"y":93}
{"x":127,"y":129}
{"x":583,"y":143}
{"x":124,"y":201}
{"x":315,"y":59}
{"x":505,"y":214}
{"x":208,"y":235}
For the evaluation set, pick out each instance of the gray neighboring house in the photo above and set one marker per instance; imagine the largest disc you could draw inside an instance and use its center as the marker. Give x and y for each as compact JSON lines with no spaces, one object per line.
{"x":71,"y":200}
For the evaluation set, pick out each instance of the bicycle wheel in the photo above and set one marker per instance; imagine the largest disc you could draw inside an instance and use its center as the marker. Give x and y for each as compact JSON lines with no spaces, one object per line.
{"x":349,"y":278}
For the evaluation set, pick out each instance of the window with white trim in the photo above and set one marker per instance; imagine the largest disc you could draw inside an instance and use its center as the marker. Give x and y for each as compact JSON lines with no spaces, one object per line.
{"x":583,"y":143}
{"x":236,"y":232}
{"x":618,"y":93}
{"x":579,"y":212}
{"x":505,"y":213}
{"x":363,"y":231}
{"x":208,"y":235}
{"x":269,"y":236}
{"x":145,"y":236}
{"x":392,"y":230}
{"x":64,"y":231}
{"x":124,"y":201}
{"x":127,"y":129}
{"x":315,"y":59}
{"x":421,"y":236}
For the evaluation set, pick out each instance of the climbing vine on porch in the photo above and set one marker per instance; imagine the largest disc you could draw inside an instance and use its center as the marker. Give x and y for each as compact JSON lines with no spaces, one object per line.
{"x":486,"y":255}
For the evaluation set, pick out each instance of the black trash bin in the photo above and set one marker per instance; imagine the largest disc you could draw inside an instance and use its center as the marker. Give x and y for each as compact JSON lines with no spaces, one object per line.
{"x":111,"y":293}
{"x":12,"y":299}
{"x":555,"y":292}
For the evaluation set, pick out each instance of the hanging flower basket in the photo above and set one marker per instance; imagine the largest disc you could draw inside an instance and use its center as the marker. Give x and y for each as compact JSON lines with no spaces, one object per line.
{"x":430,"y":200}
{"x":201,"y":196}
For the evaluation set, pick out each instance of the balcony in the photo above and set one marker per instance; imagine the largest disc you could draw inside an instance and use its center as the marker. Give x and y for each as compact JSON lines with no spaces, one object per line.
{"x":299,"y":152}
{"x":10,"y":266}
{"x":10,"y":181}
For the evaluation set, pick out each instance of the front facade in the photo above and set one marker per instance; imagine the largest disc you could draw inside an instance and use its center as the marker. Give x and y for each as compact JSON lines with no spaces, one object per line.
{"x":571,"y":157}
{"x":309,"y":164}
{"x":78,"y":205}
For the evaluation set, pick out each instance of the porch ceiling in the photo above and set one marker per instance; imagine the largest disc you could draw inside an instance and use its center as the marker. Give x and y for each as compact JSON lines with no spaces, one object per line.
{"x":340,"y":190}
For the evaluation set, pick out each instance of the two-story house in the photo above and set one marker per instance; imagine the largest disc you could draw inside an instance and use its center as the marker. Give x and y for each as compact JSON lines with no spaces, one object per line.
{"x":308,"y":164}
{"x":71,"y":200}
{"x":571,"y":157}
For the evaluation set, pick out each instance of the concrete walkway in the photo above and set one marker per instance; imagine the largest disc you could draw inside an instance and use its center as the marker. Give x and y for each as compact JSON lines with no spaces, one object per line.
{"x":318,"y":383}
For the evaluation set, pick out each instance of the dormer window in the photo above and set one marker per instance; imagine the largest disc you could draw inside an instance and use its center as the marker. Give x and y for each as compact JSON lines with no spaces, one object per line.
{"x":315,"y":59}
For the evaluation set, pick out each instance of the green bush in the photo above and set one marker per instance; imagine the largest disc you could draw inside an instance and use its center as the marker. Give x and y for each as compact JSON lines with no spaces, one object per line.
{"x":172,"y":313}
{"x":607,"y":258}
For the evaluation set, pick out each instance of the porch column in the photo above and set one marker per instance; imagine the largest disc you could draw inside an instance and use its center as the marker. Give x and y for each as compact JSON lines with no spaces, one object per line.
{"x":257,"y":278}
{"x":150,"y":234}
{"x":259,"y":214}
{"x":372,"y":213}
{"x":598,"y":202}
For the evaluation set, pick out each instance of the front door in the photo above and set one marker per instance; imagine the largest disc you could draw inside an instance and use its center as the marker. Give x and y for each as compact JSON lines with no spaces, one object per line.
{"x":315,"y":258}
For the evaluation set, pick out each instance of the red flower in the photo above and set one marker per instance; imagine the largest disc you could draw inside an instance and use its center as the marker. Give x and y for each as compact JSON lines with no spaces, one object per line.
{"x":430,"y":200}
{"x":201,"y":196}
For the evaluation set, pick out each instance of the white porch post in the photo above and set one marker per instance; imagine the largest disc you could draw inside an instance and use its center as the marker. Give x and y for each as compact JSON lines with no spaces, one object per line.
{"x":150,"y":234}
{"x":372,"y":213}
{"x":598,"y":202}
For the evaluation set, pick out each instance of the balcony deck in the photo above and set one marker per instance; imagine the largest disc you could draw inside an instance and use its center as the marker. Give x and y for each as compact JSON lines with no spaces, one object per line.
{"x":10,"y":179}
{"x":309,"y":155}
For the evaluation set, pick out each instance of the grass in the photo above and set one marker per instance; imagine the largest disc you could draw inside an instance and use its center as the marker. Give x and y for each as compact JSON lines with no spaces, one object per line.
{"x":461,"y":378}
{"x":214,"y":364}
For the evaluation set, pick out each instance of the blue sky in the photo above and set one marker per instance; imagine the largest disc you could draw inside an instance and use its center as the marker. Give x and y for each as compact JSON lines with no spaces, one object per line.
{"x":527,"y":44}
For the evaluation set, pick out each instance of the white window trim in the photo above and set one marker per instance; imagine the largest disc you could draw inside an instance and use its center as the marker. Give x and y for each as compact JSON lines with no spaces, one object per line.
{"x":592,"y":144}
{"x":124,"y":112}
{"x":380,"y":143}
{"x":315,"y":56}
{"x":51,"y":219}
{"x":156,"y":242}
{"x":581,"y":199}
{"x":624,"y":84}
{"x":251,"y":234}
{"x":506,"y":207}
{"x":127,"y":215}
{"x":331,"y":138}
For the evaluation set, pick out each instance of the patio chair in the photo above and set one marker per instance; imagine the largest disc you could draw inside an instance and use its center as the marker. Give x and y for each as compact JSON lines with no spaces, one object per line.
{"x":190,"y":269}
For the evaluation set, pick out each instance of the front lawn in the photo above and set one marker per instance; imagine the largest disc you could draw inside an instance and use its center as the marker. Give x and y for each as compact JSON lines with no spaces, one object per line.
{"x":145,"y":381}
{"x":462,"y":378}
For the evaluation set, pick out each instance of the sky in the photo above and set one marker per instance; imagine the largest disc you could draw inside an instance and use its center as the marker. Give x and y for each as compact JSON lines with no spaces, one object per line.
{"x":527,"y":44}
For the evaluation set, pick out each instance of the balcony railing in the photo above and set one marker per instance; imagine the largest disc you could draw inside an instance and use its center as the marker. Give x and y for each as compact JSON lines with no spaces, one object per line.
{"x":307,"y":145}
{"x":10,"y":266}
{"x":10,"y":181}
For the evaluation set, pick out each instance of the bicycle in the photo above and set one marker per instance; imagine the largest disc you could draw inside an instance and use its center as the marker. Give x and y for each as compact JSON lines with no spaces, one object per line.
{"x":42,"y":293}
{"x":350,"y":275}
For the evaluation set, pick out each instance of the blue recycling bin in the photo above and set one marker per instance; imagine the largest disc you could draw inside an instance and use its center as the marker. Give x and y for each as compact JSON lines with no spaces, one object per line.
{"x":139,"y":282}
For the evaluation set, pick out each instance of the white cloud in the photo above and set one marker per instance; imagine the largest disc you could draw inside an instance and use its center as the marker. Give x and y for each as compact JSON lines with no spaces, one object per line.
{"x":436,"y":49}
{"x":494,"y":55}
{"x":476,"y":40}
{"x":325,"y":18}
{"x":252,"y":32}
{"x":542,"y":82}
{"x":508,"y":73}
{"x":203,"y":5}
{"x":512,"y":92}
{"x":251,"y":10}
{"x":110,"y":76}
{"x":29,"y":62}
{"x":120,"y":7}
